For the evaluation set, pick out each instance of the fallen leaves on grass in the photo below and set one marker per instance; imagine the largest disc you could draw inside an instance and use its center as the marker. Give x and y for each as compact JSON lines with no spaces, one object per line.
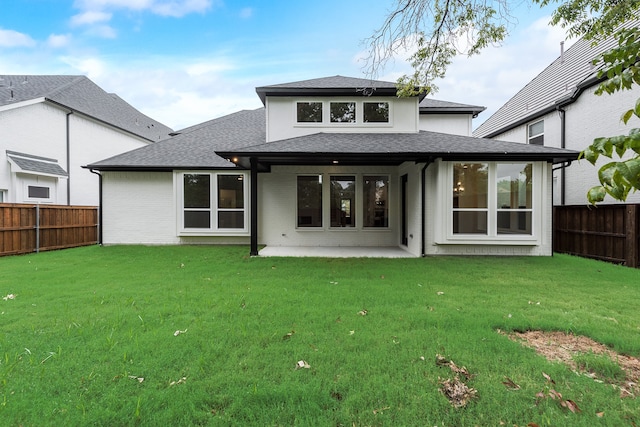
{"x":302,"y":365}
{"x":508,"y":382}
{"x":547,"y":391}
{"x":458,"y":393}
{"x":562,"y":347}
{"x":180,"y":381}
{"x":380,"y":410}
{"x":288,"y":335}
{"x":9,"y":296}
{"x":443,"y":361}
{"x":363,"y":312}
{"x":139,"y":379}
{"x":179,"y":332}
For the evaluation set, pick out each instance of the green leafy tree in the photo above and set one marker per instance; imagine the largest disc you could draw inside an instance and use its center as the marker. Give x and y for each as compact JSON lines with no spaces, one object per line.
{"x":438,"y":30}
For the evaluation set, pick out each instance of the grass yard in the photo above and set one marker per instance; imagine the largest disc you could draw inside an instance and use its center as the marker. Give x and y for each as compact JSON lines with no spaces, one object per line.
{"x":181,"y":336}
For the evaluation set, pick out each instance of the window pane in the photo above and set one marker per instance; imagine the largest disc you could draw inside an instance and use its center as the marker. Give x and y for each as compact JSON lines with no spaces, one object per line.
{"x":343,"y":196}
{"x":309,"y":112}
{"x":197,"y":219}
{"x":514,"y":222}
{"x":514,"y":186}
{"x":536,"y":128}
{"x":470,"y":222}
{"x":36,"y":192}
{"x":231,"y":219}
{"x":310,"y":201}
{"x":375,"y":201}
{"x":470,"y":185}
{"x":197,"y":191}
{"x":343,"y":112}
{"x":376,"y":112}
{"x":230,"y":191}
{"x":538,"y":140}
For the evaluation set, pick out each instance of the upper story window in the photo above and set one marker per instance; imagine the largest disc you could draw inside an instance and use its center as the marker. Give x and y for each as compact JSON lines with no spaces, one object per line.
{"x":375,"y":112}
{"x":309,"y":112}
{"x":342,"y":112}
{"x":536,"y":133}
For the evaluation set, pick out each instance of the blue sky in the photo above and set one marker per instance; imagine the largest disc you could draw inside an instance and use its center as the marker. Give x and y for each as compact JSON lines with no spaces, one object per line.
{"x":186,"y":61}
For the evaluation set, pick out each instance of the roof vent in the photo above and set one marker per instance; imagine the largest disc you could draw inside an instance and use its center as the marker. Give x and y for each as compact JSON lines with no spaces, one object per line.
{"x":562,"y":52}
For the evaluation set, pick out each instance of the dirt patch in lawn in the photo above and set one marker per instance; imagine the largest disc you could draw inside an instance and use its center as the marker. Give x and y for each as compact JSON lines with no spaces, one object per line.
{"x":562,"y":347}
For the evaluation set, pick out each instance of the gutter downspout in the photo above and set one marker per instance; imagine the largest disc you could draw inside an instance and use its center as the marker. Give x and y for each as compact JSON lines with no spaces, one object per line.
{"x":68,"y":159}
{"x":563,"y":133}
{"x":99,"y":205}
{"x":423,"y":206}
{"x":254,"y":207}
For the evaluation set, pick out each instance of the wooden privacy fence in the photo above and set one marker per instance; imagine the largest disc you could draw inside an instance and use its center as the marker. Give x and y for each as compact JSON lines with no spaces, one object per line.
{"x":26,"y":228}
{"x":606,"y":232}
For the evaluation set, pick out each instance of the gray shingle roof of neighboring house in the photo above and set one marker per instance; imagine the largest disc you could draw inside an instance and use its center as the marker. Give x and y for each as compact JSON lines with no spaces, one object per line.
{"x":563,"y":80}
{"x":429,"y":105}
{"x":330,"y":86}
{"x":194,"y":147}
{"x":80,"y":94}
{"x":37,"y":164}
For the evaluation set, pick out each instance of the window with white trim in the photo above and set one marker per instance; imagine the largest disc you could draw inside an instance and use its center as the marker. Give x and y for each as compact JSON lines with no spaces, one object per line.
{"x":354,"y":201}
{"x":536,"y":133}
{"x":491,"y":199}
{"x":213,"y":202}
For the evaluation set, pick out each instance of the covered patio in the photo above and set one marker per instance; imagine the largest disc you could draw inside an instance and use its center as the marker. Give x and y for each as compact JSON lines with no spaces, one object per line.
{"x":335,"y":252}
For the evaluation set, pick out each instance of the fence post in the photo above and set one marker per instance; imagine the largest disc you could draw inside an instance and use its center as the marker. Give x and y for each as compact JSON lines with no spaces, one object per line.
{"x":37,"y":228}
{"x":631,"y":238}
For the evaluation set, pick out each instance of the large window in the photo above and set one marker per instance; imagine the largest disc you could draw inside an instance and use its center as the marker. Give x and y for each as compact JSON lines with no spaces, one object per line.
{"x":492,"y":199}
{"x":354,"y":201}
{"x":536,"y":133}
{"x":309,"y":201}
{"x":213,"y":202}
{"x":375,"y":198}
{"x":470,"y":201}
{"x":514,"y":194}
{"x":343,"y":197}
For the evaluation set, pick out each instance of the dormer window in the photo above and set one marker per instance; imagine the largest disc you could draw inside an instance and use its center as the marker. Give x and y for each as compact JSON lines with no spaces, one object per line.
{"x":309,"y":112}
{"x":376,"y":112}
{"x":342,"y":112}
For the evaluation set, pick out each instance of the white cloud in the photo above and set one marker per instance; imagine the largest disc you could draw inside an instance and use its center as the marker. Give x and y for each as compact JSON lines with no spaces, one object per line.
{"x":174,"y":8}
{"x":58,"y":40}
{"x":11,"y":38}
{"x":90,"y":17}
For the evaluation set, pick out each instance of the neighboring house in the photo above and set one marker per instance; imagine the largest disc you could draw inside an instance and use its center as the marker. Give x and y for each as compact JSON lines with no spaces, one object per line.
{"x":558,"y":108}
{"x":327,"y":164}
{"x":52,"y":125}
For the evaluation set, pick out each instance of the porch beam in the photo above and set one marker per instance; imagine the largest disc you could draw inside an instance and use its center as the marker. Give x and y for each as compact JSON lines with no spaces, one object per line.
{"x":254,"y":207}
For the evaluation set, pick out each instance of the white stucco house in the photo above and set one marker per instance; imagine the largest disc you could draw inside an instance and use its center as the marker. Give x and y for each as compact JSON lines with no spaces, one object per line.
{"x":335,"y":162}
{"x":558,"y":108}
{"x":52,"y":125}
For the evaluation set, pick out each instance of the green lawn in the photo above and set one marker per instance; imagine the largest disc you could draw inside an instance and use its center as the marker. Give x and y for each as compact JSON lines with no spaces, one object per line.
{"x":170,"y":336}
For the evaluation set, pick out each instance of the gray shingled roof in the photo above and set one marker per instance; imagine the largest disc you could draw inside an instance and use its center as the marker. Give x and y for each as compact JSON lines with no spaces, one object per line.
{"x":394,"y":148}
{"x":429,"y":105}
{"x":194,"y":147}
{"x":80,"y":94}
{"x":36,"y":164}
{"x":560,"y":80}
{"x":330,"y":86}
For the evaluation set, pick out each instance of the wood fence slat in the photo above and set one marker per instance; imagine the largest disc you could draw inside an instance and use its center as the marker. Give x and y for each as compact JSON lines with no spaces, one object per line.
{"x":60,"y":227}
{"x":606,"y":232}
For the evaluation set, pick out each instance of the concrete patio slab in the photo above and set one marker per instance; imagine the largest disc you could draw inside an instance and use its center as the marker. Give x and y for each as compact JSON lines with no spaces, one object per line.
{"x":335,"y":252}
